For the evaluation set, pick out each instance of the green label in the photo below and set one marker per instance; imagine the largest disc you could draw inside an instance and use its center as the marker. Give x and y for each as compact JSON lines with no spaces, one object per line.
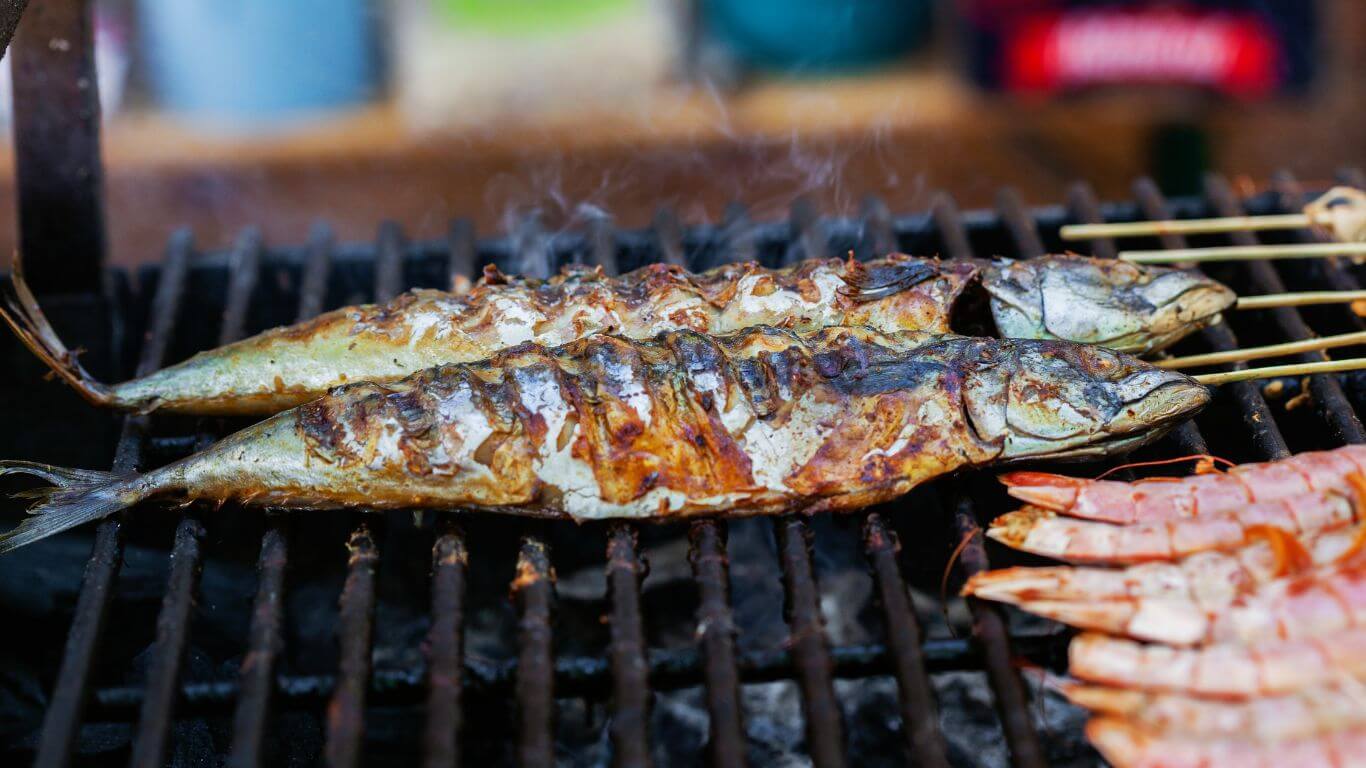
{"x":528,"y":16}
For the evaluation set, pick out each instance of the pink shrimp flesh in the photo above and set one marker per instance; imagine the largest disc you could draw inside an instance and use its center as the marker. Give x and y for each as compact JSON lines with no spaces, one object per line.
{"x":1160,"y":499}
{"x":1125,"y":745}
{"x":1043,"y":532}
{"x":1220,"y":671}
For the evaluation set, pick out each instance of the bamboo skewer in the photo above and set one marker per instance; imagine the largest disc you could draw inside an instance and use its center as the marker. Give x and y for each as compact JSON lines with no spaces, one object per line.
{"x":1258,"y":353}
{"x":1274,"y":371}
{"x":1245,"y":252}
{"x":1339,"y":213}
{"x":1301,"y":299}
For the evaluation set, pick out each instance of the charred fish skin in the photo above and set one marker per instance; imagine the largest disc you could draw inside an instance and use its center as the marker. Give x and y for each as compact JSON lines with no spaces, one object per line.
{"x":765,"y":420}
{"x":1127,"y":307}
{"x":288,"y":366}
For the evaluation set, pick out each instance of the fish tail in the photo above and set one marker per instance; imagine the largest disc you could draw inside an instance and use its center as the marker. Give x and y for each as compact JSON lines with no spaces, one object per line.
{"x":20,"y":311}
{"x":77,"y":496}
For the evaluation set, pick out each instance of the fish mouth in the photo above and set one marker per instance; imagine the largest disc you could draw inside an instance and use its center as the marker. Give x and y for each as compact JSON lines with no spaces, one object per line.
{"x":1156,"y":398}
{"x":1200,"y":306}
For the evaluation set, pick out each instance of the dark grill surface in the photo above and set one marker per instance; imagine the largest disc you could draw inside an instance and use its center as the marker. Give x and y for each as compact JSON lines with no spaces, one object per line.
{"x":388,"y":639}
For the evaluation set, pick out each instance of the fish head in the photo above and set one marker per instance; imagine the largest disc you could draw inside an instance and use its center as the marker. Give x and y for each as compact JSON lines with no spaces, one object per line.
{"x":1058,"y":400}
{"x":1132,"y":308}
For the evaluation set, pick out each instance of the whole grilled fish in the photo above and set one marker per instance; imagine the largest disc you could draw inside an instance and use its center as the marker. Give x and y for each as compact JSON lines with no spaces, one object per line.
{"x":765,"y":420}
{"x":1093,"y":301}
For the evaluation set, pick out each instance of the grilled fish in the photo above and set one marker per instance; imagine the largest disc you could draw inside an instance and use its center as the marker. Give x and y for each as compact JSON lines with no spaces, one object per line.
{"x":1115,"y":304}
{"x":765,"y":420}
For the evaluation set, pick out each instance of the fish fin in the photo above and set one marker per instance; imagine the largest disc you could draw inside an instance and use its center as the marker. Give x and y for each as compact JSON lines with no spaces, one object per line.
{"x":20,"y":311}
{"x":865,"y":282}
{"x":78,"y":496}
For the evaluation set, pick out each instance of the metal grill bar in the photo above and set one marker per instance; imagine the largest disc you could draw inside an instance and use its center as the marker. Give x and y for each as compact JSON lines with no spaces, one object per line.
{"x":264,"y":638}
{"x":919,"y":715}
{"x":879,"y":234}
{"x":62,"y":721}
{"x":824,"y":731}
{"x":988,"y":626}
{"x":630,"y":683}
{"x":534,"y":589}
{"x":1257,"y":416}
{"x":173,"y":620}
{"x":1327,"y":393}
{"x":1020,"y":224}
{"x":669,"y":237}
{"x":716,"y":636}
{"x":445,"y":659}
{"x":346,"y":710}
{"x":464,"y":258}
{"x":737,"y":232}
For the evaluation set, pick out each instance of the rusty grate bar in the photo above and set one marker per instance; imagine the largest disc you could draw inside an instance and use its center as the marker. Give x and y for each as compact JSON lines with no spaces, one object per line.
{"x":1257,"y":416}
{"x":669,"y":237}
{"x":445,"y":657}
{"x":988,"y":626}
{"x":1082,"y":203}
{"x":463,"y":263}
{"x":534,"y":589}
{"x":264,"y":637}
{"x":879,"y":234}
{"x":824,"y":730}
{"x":919,"y":715}
{"x":346,"y":710}
{"x":1019,"y":223}
{"x":1329,"y":400}
{"x":62,"y":720}
{"x":173,"y":620}
{"x":716,"y":636}
{"x":630,"y":682}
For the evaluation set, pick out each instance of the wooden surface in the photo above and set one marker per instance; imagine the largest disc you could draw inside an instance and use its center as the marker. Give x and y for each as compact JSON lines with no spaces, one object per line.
{"x":900,"y":135}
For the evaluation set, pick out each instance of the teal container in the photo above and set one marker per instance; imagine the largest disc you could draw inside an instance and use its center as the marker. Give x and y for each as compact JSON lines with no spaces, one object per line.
{"x":804,"y":36}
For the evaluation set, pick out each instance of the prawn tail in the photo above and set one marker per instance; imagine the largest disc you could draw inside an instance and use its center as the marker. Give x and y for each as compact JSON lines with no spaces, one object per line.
{"x":77,"y":496}
{"x":20,"y":311}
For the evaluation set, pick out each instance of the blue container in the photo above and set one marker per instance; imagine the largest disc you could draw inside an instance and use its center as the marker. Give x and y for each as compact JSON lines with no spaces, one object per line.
{"x":251,"y":62}
{"x":817,"y":35}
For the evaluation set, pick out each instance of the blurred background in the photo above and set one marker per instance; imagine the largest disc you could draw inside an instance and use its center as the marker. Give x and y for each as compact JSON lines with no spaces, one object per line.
{"x":218,"y":115}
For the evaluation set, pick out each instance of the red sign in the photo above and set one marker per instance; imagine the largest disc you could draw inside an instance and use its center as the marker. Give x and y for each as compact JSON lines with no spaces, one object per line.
{"x":1229,"y":52}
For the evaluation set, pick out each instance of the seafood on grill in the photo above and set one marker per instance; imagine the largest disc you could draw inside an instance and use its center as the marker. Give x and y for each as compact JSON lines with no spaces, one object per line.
{"x":1124,"y":744}
{"x":1297,"y":715}
{"x":1208,"y":581}
{"x":1115,"y":304}
{"x":1044,"y":532}
{"x":761,"y":421}
{"x":1212,"y":494}
{"x":1224,"y":670}
{"x":1315,"y":601}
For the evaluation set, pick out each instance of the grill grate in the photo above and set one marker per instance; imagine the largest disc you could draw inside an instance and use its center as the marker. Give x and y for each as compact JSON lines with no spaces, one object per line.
{"x":629,"y":673}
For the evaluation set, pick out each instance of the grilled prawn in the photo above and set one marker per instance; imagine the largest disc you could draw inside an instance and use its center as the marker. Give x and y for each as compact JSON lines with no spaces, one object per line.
{"x":1316,"y":601}
{"x":1219,"y":493}
{"x":1110,"y":303}
{"x":1301,"y":714}
{"x":1044,"y":532}
{"x":1208,"y":581}
{"x":761,"y":421}
{"x":1126,"y":745}
{"x":1230,"y":671}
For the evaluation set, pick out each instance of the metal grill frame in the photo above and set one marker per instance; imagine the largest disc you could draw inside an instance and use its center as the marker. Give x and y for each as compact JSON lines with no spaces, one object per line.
{"x":626,"y":675}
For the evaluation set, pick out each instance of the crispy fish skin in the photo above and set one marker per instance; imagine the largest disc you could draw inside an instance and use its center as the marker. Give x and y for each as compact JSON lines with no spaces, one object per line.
{"x":1068,"y":297}
{"x":762,"y":421}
